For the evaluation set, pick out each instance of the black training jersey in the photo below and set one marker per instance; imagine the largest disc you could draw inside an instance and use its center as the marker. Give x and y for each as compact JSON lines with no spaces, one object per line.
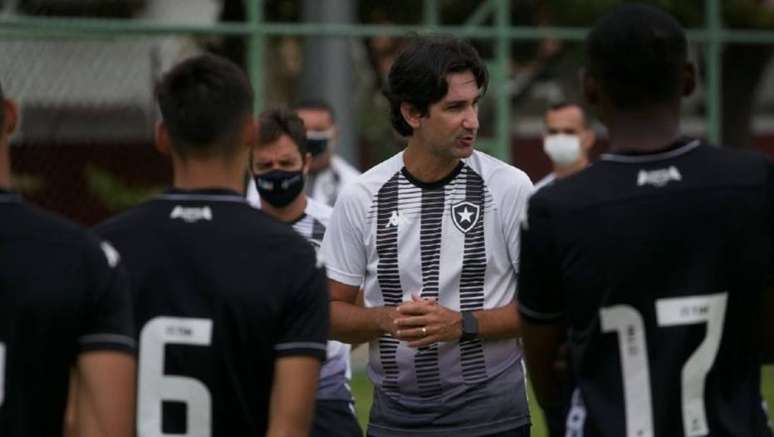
{"x":60,"y":294}
{"x":221,"y":290}
{"x":659,"y":264}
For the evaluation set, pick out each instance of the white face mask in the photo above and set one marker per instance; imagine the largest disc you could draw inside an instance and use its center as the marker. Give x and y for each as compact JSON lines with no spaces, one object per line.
{"x":563,"y":149}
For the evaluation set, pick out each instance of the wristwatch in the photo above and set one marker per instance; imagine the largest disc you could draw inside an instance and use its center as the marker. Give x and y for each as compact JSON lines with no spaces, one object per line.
{"x":469,"y":326}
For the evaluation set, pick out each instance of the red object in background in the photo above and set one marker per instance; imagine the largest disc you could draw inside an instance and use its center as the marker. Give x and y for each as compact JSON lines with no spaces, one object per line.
{"x":59,"y":175}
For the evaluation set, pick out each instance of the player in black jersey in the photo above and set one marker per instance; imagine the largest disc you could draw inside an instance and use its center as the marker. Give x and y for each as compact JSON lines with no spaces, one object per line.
{"x":231,"y":305}
{"x":63,"y":304}
{"x":656,"y":258}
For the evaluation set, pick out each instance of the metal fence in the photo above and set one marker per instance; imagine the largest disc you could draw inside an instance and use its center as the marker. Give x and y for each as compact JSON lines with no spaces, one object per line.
{"x":711,"y":37}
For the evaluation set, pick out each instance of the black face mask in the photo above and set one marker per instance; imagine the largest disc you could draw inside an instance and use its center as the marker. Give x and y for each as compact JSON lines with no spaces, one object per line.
{"x":279,"y":187}
{"x":317,"y":142}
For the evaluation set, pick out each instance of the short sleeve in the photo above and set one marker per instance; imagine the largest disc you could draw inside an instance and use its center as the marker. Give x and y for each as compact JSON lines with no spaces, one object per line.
{"x":512,"y":190}
{"x":304,"y":323}
{"x":540,"y":297}
{"x":343,"y":247}
{"x":109,"y":321}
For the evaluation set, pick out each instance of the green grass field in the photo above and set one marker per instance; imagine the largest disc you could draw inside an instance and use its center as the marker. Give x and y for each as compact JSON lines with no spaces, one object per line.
{"x":363,"y":390}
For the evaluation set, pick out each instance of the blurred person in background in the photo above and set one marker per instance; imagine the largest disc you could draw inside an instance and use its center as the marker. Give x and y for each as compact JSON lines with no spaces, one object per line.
{"x":567,"y":141}
{"x":279,"y":164}
{"x":656,"y":261}
{"x":224,"y":351}
{"x":64,"y":303}
{"x":328,"y":172}
{"x":432,"y":236}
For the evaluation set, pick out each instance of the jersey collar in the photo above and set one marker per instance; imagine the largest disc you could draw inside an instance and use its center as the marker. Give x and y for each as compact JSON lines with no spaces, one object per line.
{"x":681,"y":147}
{"x":207,"y":194}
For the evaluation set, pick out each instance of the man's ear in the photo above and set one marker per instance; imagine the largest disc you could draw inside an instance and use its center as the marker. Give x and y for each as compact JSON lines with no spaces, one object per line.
{"x":410,"y":114}
{"x":250,"y":132}
{"x":689,"y":79}
{"x":10,"y":117}
{"x":163,"y":144}
{"x":589,"y":137}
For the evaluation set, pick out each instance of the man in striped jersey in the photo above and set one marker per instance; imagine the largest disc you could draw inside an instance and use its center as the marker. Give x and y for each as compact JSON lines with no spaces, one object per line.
{"x":433,"y":234}
{"x":280,"y":162}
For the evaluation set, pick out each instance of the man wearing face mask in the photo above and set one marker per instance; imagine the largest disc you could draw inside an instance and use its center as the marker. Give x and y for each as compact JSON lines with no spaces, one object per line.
{"x":328,"y":172}
{"x":567,"y":141}
{"x":280,"y":163}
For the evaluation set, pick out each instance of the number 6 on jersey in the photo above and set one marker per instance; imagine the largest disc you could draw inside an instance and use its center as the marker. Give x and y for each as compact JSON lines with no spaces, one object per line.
{"x":156,"y":387}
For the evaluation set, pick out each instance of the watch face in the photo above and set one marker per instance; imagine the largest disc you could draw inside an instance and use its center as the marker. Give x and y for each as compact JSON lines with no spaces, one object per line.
{"x":469,"y":324}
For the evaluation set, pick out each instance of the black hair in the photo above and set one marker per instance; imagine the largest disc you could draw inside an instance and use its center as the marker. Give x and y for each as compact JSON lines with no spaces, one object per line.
{"x":566,"y":104}
{"x":419,"y":75}
{"x":637,"y":54}
{"x":277,"y":122}
{"x":204,"y":102}
{"x":315,"y":104}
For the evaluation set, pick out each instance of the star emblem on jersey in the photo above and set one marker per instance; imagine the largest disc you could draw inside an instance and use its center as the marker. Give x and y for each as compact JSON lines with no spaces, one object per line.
{"x":465,"y":215}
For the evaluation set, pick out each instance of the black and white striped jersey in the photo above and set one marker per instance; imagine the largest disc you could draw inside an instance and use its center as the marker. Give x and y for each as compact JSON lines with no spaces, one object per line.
{"x":62,"y":292}
{"x":456,"y":240}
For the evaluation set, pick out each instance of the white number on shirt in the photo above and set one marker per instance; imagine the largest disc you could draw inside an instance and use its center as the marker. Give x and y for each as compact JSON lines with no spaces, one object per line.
{"x":155,"y":386}
{"x":628,"y":324}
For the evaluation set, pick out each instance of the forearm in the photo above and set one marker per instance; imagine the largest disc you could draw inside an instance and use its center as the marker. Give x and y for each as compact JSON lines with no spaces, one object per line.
{"x":351,"y":323}
{"x":541,"y":348}
{"x":498,"y":323}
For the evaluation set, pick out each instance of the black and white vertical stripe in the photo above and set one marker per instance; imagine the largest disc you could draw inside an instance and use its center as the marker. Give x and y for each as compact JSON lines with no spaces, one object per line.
{"x":472,"y":278}
{"x":310,"y":228}
{"x":431,"y":217}
{"x":387,"y":272}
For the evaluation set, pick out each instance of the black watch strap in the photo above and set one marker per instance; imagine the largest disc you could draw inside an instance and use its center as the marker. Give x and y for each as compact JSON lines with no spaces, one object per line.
{"x":469,"y":326}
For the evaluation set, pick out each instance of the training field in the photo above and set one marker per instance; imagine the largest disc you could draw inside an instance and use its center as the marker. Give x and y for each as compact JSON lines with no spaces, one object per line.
{"x":362,"y":389}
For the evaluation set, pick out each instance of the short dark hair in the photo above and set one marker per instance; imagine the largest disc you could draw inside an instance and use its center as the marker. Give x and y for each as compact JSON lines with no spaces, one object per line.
{"x":564,"y":105}
{"x":637,"y":53}
{"x":418,"y":76}
{"x":204,"y":102}
{"x":315,"y":104}
{"x":277,"y":122}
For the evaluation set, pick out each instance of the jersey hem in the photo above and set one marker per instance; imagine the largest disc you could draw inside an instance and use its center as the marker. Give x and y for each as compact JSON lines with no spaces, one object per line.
{"x":343,"y":277}
{"x":376,"y":430}
{"x":537,"y":316}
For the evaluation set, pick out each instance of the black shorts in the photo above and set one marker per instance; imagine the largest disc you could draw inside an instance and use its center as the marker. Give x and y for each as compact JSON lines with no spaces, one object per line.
{"x":334,"y":418}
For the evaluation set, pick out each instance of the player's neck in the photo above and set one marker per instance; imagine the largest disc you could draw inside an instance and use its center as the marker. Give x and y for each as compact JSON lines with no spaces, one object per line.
{"x":564,"y":171}
{"x":288,"y":213}
{"x":425,"y":166}
{"x":198,"y":174}
{"x":646,"y":131}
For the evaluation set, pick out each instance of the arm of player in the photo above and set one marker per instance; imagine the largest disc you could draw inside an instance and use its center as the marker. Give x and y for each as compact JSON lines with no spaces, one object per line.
{"x":292,"y":396}
{"x":542,"y":342}
{"x":423,"y":322}
{"x":105,"y":394}
{"x":351,"y":322}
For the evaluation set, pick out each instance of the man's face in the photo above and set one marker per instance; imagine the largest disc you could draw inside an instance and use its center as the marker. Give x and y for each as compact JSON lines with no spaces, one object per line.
{"x":451,"y":125}
{"x":569,"y":121}
{"x":282,"y":154}
{"x":319,"y":124}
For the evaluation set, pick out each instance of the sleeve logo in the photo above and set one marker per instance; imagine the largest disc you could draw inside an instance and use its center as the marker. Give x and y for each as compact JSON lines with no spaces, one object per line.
{"x":111,"y":254}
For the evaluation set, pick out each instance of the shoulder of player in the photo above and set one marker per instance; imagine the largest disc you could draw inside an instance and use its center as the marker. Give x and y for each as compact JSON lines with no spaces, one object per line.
{"x":738,"y":162}
{"x":317,"y":210}
{"x":365,"y":186}
{"x":497,"y":173}
{"x":346,"y":170}
{"x":133,"y":219}
{"x":45,"y":226}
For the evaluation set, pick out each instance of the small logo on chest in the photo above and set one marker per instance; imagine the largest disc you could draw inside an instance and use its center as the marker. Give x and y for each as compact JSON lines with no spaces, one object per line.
{"x":465,"y":215}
